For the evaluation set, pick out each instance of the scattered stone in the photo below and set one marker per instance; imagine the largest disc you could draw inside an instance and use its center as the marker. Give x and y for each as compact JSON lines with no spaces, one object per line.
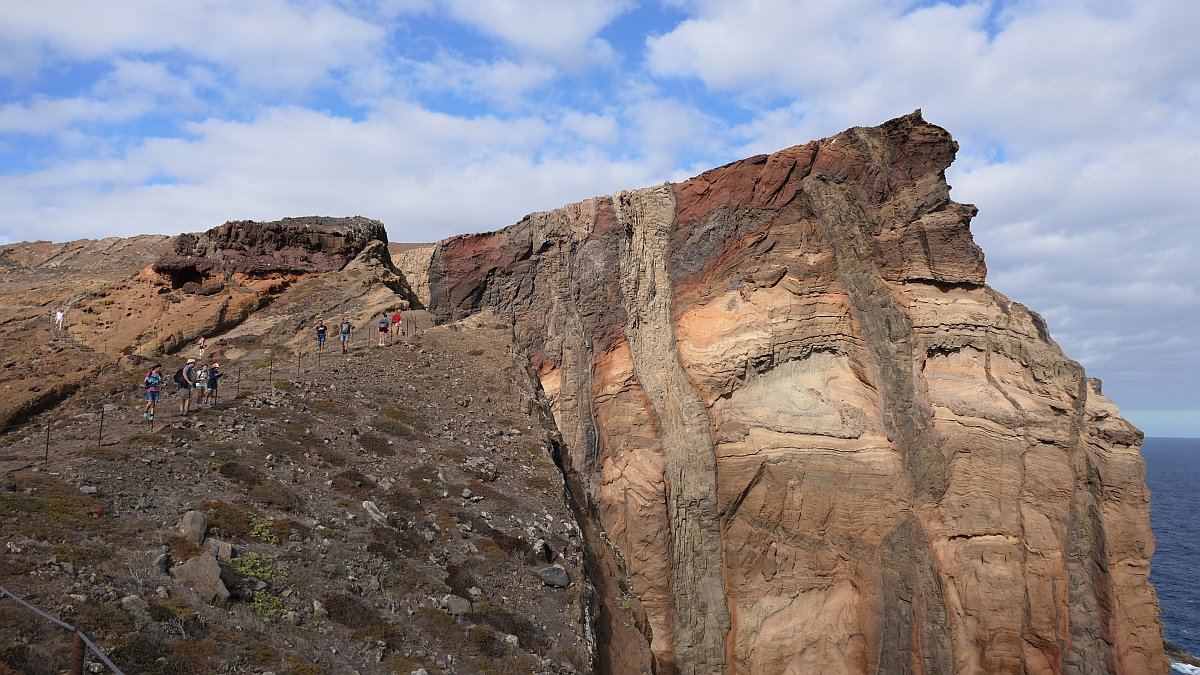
{"x":134,"y":603}
{"x":319,"y":610}
{"x":222,"y":549}
{"x":202,"y":574}
{"x":374,"y":513}
{"x":555,"y":576}
{"x":88,"y":489}
{"x":456,"y":605}
{"x":163,"y":562}
{"x":193,"y":525}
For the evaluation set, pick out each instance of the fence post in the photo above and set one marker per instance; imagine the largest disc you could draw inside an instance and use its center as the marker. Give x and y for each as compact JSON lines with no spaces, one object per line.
{"x":271,"y":373}
{"x":77,"y":653}
{"x":46,"y":459}
{"x":100,"y":435}
{"x":297,"y":366}
{"x":239,"y":383}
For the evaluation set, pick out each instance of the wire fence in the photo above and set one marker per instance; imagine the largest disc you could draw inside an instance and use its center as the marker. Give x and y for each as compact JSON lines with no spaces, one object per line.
{"x":79,"y":641}
{"x":29,"y":443}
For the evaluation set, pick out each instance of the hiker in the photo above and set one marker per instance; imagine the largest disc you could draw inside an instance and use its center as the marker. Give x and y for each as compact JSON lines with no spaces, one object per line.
{"x":347,"y":328}
{"x":201,"y":385}
{"x":185,"y":377}
{"x":320,"y":334}
{"x":396,"y":319}
{"x":153,"y":384}
{"x":201,"y":344}
{"x":383,"y":328}
{"x":60,"y":318}
{"x":214,"y":377}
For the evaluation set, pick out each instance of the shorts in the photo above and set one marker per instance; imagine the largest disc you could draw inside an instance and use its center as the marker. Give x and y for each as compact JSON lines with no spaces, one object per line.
{"x":320,"y":339}
{"x":383,"y":328}
{"x":345,"y":337}
{"x":185,"y":392}
{"x":152,"y":396}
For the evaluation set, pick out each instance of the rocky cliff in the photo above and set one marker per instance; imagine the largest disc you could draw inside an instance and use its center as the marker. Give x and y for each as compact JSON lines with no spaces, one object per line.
{"x":805,"y":436}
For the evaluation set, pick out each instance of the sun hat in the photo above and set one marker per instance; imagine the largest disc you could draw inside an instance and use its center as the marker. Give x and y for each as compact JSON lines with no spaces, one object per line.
{"x":216,"y":365}
{"x":191,"y":360}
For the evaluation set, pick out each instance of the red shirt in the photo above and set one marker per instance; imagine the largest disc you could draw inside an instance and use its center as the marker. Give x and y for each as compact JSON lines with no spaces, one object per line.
{"x":396,"y":317}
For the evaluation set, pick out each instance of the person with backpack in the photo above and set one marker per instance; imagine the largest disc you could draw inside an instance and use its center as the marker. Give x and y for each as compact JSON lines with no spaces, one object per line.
{"x":185,"y":379}
{"x":214,"y":376}
{"x":153,"y":384}
{"x":396,"y":319}
{"x":347,"y":328}
{"x":201,"y":344}
{"x":201,"y":385}
{"x":383,"y":329}
{"x":320,"y":334}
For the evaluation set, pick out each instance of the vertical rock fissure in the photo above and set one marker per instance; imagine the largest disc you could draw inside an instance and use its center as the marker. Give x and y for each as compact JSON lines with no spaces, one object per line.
{"x":914,"y":607}
{"x":697,"y":585}
{"x":1087,"y":558}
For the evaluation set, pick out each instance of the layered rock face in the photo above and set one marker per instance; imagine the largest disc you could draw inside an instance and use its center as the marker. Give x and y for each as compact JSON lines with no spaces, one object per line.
{"x":809,"y":437}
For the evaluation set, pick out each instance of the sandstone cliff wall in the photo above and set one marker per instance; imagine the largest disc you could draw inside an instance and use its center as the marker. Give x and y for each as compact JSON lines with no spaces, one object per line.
{"x":810,"y":438}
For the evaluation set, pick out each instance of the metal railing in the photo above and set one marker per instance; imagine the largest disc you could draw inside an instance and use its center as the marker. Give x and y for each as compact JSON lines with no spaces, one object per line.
{"x":79,"y":641}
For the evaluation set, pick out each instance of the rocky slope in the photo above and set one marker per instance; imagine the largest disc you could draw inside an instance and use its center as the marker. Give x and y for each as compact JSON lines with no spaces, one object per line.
{"x":807,"y":437}
{"x":144,"y":296}
{"x":393,"y":509}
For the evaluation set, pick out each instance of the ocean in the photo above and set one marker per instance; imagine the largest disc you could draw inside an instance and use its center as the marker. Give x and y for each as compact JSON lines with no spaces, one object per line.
{"x":1173,"y":474}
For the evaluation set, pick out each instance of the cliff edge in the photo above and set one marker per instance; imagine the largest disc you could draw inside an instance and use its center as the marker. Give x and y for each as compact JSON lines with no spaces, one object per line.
{"x":808,"y":435}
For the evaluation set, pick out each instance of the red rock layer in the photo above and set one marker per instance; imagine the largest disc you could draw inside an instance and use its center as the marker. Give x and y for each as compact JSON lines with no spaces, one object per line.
{"x":809,"y":437}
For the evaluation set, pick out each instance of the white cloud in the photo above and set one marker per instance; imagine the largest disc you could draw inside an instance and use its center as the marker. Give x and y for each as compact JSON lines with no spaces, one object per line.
{"x":561,"y":31}
{"x":502,"y":82}
{"x":426,"y":175}
{"x":271,"y":44}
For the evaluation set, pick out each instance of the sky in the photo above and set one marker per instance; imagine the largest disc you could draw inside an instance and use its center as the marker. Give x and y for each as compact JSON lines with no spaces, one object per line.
{"x":1077,"y":120}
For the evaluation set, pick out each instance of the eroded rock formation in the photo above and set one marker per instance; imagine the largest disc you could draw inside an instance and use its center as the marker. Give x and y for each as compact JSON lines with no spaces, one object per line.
{"x":148,"y":296}
{"x":257,"y":250}
{"x":810,"y":438}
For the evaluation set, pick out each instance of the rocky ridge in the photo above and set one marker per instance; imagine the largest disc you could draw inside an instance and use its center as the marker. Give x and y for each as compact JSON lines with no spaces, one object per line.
{"x":128,"y":300}
{"x":810,"y":437}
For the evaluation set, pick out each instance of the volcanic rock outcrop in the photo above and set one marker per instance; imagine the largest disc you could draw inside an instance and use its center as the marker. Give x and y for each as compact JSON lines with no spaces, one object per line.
{"x":147,"y":296}
{"x":810,"y":438}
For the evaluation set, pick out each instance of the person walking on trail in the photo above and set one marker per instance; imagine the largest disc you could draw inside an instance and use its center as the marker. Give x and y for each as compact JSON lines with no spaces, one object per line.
{"x":185,"y":378}
{"x":214,"y":378}
{"x":396,"y":319}
{"x":321,"y":330}
{"x":347,"y":329}
{"x":383,"y":329}
{"x":201,"y":344}
{"x":153,"y":385}
{"x":201,"y":385}
{"x":60,"y":318}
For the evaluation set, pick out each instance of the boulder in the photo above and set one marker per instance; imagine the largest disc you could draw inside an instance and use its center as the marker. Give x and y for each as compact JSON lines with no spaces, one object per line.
{"x":193,"y":526}
{"x":202,"y":574}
